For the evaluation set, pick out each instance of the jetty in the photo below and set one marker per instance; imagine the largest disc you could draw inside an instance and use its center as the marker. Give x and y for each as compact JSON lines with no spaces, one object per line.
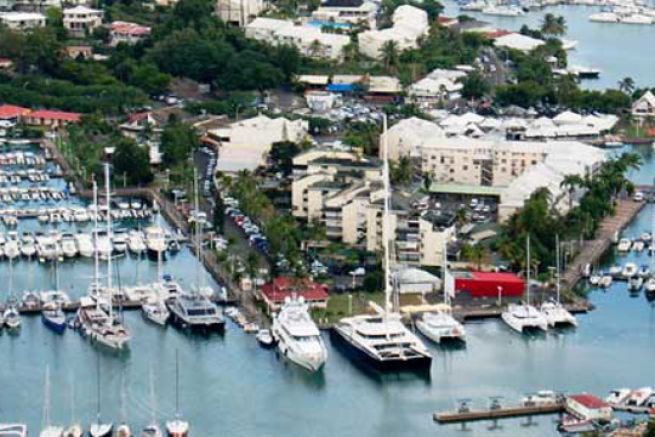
{"x":498,"y":412}
{"x":626,"y":211}
{"x":476,"y":313}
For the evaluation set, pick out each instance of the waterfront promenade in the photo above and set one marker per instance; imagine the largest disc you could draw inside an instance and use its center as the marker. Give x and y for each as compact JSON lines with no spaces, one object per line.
{"x":626,"y":211}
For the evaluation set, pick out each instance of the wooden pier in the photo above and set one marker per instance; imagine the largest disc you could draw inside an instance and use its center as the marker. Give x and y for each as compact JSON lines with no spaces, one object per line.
{"x":626,"y":211}
{"x":497,"y":413}
{"x":464,"y":314}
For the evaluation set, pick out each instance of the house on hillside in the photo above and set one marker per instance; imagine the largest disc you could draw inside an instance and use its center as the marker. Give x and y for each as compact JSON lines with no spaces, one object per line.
{"x":644,"y":106}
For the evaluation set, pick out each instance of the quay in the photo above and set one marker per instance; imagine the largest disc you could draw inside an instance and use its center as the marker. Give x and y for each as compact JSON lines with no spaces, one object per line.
{"x":626,"y":211}
{"x":498,"y":412}
{"x":476,"y":313}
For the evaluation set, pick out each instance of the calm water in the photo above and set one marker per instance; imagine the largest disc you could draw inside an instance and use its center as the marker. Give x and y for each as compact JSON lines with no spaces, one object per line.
{"x":230,"y":386}
{"x":616,"y":49}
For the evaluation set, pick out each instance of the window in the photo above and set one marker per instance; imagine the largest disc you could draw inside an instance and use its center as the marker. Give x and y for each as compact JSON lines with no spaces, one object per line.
{"x":465,"y":167}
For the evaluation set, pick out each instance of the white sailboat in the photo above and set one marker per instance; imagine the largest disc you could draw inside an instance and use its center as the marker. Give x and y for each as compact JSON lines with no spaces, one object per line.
{"x":382,"y":340}
{"x":154,"y":309}
{"x":440,"y":324}
{"x":75,"y":429}
{"x":177,"y":427}
{"x":123,"y":429}
{"x":523,"y":316}
{"x":49,"y":430}
{"x":553,"y":310}
{"x":11,"y":315}
{"x":298,"y":338}
{"x":152,"y":429}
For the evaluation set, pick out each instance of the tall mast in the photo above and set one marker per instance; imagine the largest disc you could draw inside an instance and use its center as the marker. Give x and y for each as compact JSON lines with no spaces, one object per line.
{"x":96,"y":259}
{"x":109,"y":233}
{"x":46,"y":400}
{"x":385,"y":218}
{"x":159,"y":275}
{"x":98,"y":388}
{"x":527,"y":275}
{"x":557,"y":267}
{"x":196,"y":226}
{"x":153,"y":400}
{"x":177,"y":384}
{"x":446,"y":291}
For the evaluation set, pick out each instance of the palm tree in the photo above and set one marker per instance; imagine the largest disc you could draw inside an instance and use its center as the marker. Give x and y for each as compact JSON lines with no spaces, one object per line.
{"x":627,"y":85}
{"x":572,"y":181}
{"x":350,"y":52}
{"x":315,"y":49}
{"x":553,"y":25}
{"x":389,"y":54}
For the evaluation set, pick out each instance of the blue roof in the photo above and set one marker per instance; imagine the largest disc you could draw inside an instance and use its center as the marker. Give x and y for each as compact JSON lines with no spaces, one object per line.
{"x":341,"y":87}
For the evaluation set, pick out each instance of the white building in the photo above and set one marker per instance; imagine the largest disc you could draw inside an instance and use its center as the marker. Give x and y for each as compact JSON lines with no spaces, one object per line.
{"x":644,"y":106}
{"x":351,"y":12}
{"x":321,"y":101}
{"x":81,"y":20}
{"x":409,"y":24}
{"x":408,"y":136}
{"x":309,"y":40}
{"x":128,"y":33}
{"x":245,"y":144}
{"x":517,"y":41}
{"x":22,"y":20}
{"x":439,"y":85}
{"x":239,"y":12}
{"x":588,"y":407}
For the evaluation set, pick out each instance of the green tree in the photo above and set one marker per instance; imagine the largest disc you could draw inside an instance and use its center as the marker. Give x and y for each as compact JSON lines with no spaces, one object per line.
{"x":177,"y":141}
{"x":402,"y":171}
{"x":475,"y":86}
{"x":282,"y":154}
{"x":133,"y":162}
{"x":553,"y":25}
{"x":627,"y":85}
{"x":389,"y":54}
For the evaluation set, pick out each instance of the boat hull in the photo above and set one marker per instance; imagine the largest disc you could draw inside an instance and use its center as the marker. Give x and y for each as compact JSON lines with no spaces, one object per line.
{"x":54,"y":325}
{"x":198,"y":328}
{"x":420,"y":363}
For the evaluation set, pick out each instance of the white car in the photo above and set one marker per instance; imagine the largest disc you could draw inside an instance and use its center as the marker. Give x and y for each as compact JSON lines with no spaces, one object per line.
{"x":638,"y":196}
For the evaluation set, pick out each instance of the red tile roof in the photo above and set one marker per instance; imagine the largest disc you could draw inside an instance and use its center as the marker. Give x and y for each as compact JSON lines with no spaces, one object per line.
{"x":56,"y":115}
{"x":12,"y":111}
{"x":497,"y":33}
{"x":441,"y":19}
{"x":284,"y":286}
{"x":128,"y":28}
{"x":589,"y":401}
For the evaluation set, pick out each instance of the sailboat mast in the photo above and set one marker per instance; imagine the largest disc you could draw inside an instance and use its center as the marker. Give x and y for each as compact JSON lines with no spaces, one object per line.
{"x":385,"y":218}
{"x":177,"y":384}
{"x":96,"y":259}
{"x":527,"y":275}
{"x":98,"y":388}
{"x":46,"y":400}
{"x":109,"y":232}
{"x":196,"y":226}
{"x":446,"y":291}
{"x":557,"y":266}
{"x":159,"y":275}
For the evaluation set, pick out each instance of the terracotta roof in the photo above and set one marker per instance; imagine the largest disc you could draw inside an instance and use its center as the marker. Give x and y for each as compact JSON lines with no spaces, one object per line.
{"x":284,"y":286}
{"x":497,"y":33}
{"x":128,"y":28}
{"x":589,"y":401}
{"x":56,"y":115}
{"x":12,"y":111}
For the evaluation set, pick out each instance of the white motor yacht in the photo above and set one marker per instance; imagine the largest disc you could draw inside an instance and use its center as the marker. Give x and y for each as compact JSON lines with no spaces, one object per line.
{"x":12,"y":248}
{"x":298,"y":338}
{"x":135,"y":242}
{"x":103,"y":244}
{"x":605,"y":281}
{"x":61,"y":298}
{"x":12,"y":317}
{"x":195,"y":312}
{"x":650,"y":285}
{"x":68,"y":245}
{"x":46,"y":248}
{"x":594,"y":280}
{"x":624,"y":245}
{"x":13,"y":430}
{"x":27,"y":245}
{"x":629,"y":270}
{"x":155,"y":239}
{"x":440,"y":325}
{"x":638,"y":246}
{"x":120,"y":241}
{"x":635,"y":283}
{"x":155,"y":311}
{"x":618,"y":396}
{"x":84,"y":244}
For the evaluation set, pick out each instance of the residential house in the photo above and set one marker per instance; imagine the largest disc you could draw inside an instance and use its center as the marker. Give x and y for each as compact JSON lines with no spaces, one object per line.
{"x":588,"y":407}
{"x":438,"y":86}
{"x":409,"y":24}
{"x":245,"y":144}
{"x":12,"y":113}
{"x":350,"y":12}
{"x":275,"y":292}
{"x":239,"y":12}
{"x":79,"y":51}
{"x":517,"y":41}
{"x":22,"y":20}
{"x":51,"y":119}
{"x":644,"y":106}
{"x":128,"y":33}
{"x":82,"y":20}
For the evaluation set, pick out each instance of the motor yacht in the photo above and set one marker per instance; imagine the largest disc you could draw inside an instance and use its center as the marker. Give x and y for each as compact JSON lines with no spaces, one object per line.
{"x":84,"y":244}
{"x":12,"y":248}
{"x":12,"y":317}
{"x":624,"y":245}
{"x":195,"y":312}
{"x":298,"y":338}
{"x":53,"y":317}
{"x":265,"y":338}
{"x":594,"y":280}
{"x":635,"y":283}
{"x":135,"y":242}
{"x":155,"y":239}
{"x":27,"y":245}
{"x":629,"y":270}
{"x":618,"y":396}
{"x":440,"y":325}
{"x":46,"y":248}
{"x":119,"y":239}
{"x":155,"y":311}
{"x":68,"y":245}
{"x":13,"y":430}
{"x":103,"y":244}
{"x":638,"y":246}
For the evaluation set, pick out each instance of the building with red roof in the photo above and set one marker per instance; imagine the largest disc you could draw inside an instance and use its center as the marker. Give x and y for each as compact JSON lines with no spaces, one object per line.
{"x":489,"y":285}
{"x":52,"y":119}
{"x":588,"y":407}
{"x":12,"y":112}
{"x":6,"y":63}
{"x":126,"y":32}
{"x":275,"y":292}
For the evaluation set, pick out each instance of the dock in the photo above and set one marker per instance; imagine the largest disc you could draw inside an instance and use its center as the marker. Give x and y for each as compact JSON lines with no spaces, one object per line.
{"x":477,"y":313}
{"x":467,"y":415}
{"x":626,"y":211}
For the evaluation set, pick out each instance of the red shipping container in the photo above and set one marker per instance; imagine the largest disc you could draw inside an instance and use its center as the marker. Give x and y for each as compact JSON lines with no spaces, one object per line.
{"x":483,"y":284}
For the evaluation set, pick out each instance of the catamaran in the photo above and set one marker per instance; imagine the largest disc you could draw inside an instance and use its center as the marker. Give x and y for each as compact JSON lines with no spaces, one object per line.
{"x":382,"y":340}
{"x":440,"y":324}
{"x":523,"y":317}
{"x":553,"y":310}
{"x":298,"y":337}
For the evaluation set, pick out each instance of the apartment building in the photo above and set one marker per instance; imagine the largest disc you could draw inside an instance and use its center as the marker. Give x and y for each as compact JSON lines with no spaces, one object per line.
{"x":239,"y":12}
{"x":81,"y":20}
{"x":350,"y":12}
{"x":409,"y":24}
{"x":309,"y":40}
{"x":22,"y":20}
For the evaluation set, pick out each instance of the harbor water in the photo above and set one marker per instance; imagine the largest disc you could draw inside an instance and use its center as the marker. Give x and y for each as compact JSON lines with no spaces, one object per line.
{"x":231,"y":386}
{"x":616,"y":49}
